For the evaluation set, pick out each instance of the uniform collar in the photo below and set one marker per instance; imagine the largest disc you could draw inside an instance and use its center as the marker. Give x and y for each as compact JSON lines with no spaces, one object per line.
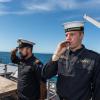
{"x":30,"y":59}
{"x":77,"y":51}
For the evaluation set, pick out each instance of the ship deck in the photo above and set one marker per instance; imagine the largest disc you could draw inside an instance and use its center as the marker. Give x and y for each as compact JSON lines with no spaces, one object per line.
{"x":9,"y":87}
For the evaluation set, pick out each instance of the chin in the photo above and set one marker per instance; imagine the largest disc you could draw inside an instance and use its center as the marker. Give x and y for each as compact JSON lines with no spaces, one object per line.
{"x":72,"y":47}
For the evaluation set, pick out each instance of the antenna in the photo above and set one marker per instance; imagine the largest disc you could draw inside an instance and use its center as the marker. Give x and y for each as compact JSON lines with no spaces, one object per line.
{"x":91,"y":20}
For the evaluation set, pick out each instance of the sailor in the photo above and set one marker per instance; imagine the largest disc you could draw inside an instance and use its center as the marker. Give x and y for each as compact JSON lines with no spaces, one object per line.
{"x":77,"y":67}
{"x":29,"y":71}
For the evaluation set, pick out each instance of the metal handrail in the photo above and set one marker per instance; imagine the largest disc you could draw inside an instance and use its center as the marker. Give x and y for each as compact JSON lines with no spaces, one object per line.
{"x":5,"y":69}
{"x":51,"y":94}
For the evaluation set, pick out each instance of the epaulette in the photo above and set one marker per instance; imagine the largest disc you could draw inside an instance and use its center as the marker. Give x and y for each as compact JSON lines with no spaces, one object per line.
{"x":37,"y":61}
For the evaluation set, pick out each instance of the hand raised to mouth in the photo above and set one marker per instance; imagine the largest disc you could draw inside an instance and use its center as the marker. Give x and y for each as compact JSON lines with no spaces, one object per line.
{"x":61,"y":48}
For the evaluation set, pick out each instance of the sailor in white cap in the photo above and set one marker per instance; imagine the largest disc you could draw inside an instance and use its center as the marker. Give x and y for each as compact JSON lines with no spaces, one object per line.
{"x":29,"y":71}
{"x":78,"y":68}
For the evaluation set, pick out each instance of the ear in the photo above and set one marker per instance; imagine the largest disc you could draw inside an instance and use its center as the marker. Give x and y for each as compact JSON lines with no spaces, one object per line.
{"x":81,"y":36}
{"x":29,"y":50}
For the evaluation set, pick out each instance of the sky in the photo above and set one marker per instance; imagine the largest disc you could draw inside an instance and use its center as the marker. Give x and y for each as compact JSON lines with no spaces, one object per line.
{"x":41,"y":21}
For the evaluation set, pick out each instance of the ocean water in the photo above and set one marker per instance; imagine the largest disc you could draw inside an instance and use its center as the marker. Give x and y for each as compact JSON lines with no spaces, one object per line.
{"x":5,"y":57}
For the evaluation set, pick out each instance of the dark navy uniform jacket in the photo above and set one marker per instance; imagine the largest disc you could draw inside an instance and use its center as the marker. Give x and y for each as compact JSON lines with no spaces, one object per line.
{"x":81,"y":79}
{"x":29,"y":76}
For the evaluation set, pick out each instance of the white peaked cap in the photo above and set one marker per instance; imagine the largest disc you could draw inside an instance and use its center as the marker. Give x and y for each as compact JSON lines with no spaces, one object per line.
{"x":73,"y":24}
{"x":25,"y":41}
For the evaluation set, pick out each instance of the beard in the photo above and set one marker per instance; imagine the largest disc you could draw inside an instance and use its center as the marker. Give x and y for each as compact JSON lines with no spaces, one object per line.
{"x":22,"y":56}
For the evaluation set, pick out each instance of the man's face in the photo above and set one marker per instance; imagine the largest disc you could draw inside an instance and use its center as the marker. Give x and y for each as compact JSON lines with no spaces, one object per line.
{"x":23,"y":52}
{"x":74,"y":38}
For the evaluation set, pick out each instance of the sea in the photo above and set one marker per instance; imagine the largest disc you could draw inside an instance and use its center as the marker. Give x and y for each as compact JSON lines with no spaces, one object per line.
{"x":5,"y":57}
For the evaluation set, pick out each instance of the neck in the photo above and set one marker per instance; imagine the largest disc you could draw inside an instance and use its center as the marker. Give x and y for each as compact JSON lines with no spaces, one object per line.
{"x":78,"y":47}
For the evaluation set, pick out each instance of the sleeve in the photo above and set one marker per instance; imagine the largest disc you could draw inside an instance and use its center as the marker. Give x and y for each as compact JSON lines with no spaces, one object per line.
{"x":14,"y":58}
{"x":38,"y":69}
{"x":50,"y":69}
{"x":96,"y":81}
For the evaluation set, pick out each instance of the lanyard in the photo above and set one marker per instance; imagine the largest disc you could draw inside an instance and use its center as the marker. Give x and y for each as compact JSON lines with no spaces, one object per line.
{"x":71,"y":61}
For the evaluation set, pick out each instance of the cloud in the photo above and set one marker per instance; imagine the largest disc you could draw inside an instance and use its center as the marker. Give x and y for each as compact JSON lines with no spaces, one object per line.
{"x":40,"y":7}
{"x":36,"y":6}
{"x":2,"y":1}
{"x":50,"y":5}
{"x":3,"y":9}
